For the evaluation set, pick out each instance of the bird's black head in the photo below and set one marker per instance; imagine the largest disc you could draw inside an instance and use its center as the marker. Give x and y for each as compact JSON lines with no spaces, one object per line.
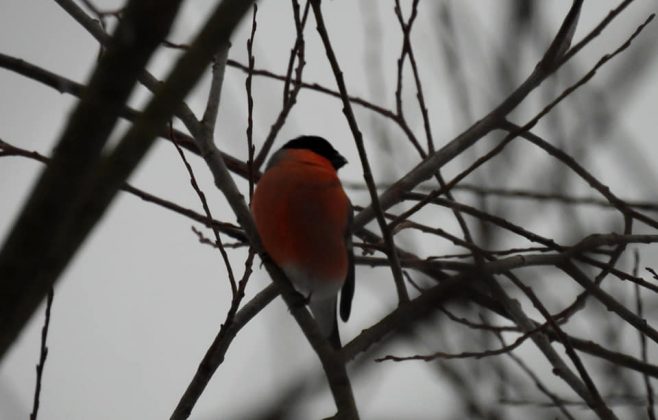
{"x":320,"y":146}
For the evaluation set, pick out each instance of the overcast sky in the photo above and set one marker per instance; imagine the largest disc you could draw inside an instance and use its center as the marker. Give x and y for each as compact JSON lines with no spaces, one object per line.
{"x":136,"y":310}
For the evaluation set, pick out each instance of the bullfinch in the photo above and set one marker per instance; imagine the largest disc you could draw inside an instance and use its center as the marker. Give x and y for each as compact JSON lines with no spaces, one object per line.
{"x":304,"y":218}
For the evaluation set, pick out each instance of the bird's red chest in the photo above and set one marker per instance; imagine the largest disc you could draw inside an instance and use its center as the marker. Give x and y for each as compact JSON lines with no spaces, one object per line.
{"x":302,"y":213}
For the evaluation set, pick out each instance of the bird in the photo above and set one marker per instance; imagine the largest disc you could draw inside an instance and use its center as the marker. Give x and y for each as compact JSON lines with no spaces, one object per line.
{"x":304,"y":219}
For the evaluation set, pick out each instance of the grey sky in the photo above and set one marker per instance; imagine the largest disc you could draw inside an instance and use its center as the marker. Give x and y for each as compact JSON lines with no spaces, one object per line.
{"x":135,"y":312}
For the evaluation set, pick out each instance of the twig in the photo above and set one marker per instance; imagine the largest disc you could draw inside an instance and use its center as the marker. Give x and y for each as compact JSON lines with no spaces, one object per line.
{"x":250,"y":103}
{"x":467,"y":354}
{"x":399,"y":111}
{"x":43,"y":355}
{"x":407,"y":51}
{"x":643,"y":341}
{"x":206,"y":209}
{"x":652,"y":271}
{"x":476,"y":326}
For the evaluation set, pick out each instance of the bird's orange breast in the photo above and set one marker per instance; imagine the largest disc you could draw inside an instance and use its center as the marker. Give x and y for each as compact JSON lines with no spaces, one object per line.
{"x":302,"y":215}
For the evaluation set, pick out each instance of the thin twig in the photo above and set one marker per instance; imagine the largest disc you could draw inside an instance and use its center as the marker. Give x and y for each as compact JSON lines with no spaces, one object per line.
{"x":250,"y":103}
{"x":643,"y":340}
{"x":206,"y":209}
{"x":43,"y":355}
{"x":467,"y":354}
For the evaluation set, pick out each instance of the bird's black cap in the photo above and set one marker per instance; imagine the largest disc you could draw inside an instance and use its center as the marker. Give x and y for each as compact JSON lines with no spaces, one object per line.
{"x":320,"y":146}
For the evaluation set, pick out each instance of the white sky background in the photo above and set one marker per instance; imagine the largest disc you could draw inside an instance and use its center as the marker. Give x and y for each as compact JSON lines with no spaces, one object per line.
{"x":136,"y":310}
